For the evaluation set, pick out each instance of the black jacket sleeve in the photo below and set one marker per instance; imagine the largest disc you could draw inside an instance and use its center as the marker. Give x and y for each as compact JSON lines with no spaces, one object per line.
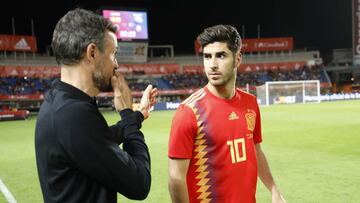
{"x":117,"y":130}
{"x":85,"y":138}
{"x":117,"y":133}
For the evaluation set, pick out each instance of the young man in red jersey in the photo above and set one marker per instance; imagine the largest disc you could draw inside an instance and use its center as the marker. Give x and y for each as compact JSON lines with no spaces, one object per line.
{"x":214,"y":147}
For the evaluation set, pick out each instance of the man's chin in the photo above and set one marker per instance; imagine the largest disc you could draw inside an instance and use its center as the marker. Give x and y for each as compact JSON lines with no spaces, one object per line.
{"x":216,"y":83}
{"x":105,"y":88}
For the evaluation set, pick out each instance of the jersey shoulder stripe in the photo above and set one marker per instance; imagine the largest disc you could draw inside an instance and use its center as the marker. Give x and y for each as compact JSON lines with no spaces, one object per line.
{"x":244,"y":92}
{"x":190,"y":101}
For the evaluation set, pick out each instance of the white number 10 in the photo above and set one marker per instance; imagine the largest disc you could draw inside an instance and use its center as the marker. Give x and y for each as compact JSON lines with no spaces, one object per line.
{"x":235,"y":152}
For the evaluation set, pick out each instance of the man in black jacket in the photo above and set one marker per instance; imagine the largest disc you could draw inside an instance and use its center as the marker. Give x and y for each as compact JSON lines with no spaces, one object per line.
{"x":78,"y":155}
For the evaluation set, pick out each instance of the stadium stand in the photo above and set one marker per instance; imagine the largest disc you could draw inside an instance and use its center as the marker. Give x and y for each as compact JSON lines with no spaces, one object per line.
{"x":25,"y":76}
{"x":22,"y":86}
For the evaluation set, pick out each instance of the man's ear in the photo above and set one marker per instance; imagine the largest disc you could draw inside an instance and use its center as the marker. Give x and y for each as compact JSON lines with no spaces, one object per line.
{"x":91,"y":52}
{"x":238,"y":59}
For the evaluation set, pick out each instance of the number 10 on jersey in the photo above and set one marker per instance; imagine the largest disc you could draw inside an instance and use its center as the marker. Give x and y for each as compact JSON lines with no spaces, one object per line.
{"x":237,"y":150}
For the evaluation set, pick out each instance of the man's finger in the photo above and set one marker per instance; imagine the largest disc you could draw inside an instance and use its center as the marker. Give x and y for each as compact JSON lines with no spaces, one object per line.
{"x":114,"y":82}
{"x":147,"y":91}
{"x":154,"y":92}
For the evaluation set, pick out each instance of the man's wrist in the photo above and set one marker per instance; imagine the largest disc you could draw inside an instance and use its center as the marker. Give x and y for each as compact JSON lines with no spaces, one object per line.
{"x":144,"y":111}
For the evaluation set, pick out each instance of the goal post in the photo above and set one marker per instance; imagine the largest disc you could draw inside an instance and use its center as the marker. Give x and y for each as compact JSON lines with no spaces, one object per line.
{"x":288,"y":92}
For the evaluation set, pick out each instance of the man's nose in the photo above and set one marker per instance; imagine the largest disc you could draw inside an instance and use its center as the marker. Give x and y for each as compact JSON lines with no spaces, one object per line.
{"x":116,"y":65}
{"x":213,"y":63}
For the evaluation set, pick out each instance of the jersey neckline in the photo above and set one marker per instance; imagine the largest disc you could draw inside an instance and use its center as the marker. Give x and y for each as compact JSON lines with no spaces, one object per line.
{"x":231,"y":100}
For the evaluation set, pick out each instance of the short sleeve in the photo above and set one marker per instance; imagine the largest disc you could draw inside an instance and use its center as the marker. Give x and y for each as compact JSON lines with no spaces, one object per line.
{"x":257,"y":130}
{"x":182,"y":133}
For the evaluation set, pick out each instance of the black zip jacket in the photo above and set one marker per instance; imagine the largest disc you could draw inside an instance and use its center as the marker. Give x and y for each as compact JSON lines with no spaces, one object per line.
{"x":78,"y":155}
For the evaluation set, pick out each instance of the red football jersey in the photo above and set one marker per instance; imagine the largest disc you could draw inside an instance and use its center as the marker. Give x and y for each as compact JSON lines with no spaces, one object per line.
{"x":219,"y":137}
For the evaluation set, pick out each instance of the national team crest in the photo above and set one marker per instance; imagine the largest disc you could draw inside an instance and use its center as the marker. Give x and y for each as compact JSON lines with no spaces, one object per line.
{"x":250,"y":120}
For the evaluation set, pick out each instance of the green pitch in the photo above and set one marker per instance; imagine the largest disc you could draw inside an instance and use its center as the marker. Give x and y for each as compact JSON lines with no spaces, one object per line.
{"x":313,"y":151}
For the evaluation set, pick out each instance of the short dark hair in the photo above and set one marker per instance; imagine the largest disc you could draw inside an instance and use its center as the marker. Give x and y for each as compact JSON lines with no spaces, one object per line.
{"x":221,"y":33}
{"x":75,"y":31}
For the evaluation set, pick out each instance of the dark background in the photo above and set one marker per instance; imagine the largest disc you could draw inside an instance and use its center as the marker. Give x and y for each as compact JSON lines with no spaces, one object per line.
{"x":315,"y":24}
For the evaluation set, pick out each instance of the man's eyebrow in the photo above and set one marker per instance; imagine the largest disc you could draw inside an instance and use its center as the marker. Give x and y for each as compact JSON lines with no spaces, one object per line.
{"x":220,"y":52}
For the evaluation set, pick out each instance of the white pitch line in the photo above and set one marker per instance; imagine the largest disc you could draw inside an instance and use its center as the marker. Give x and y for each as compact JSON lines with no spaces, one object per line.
{"x":8,"y":196}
